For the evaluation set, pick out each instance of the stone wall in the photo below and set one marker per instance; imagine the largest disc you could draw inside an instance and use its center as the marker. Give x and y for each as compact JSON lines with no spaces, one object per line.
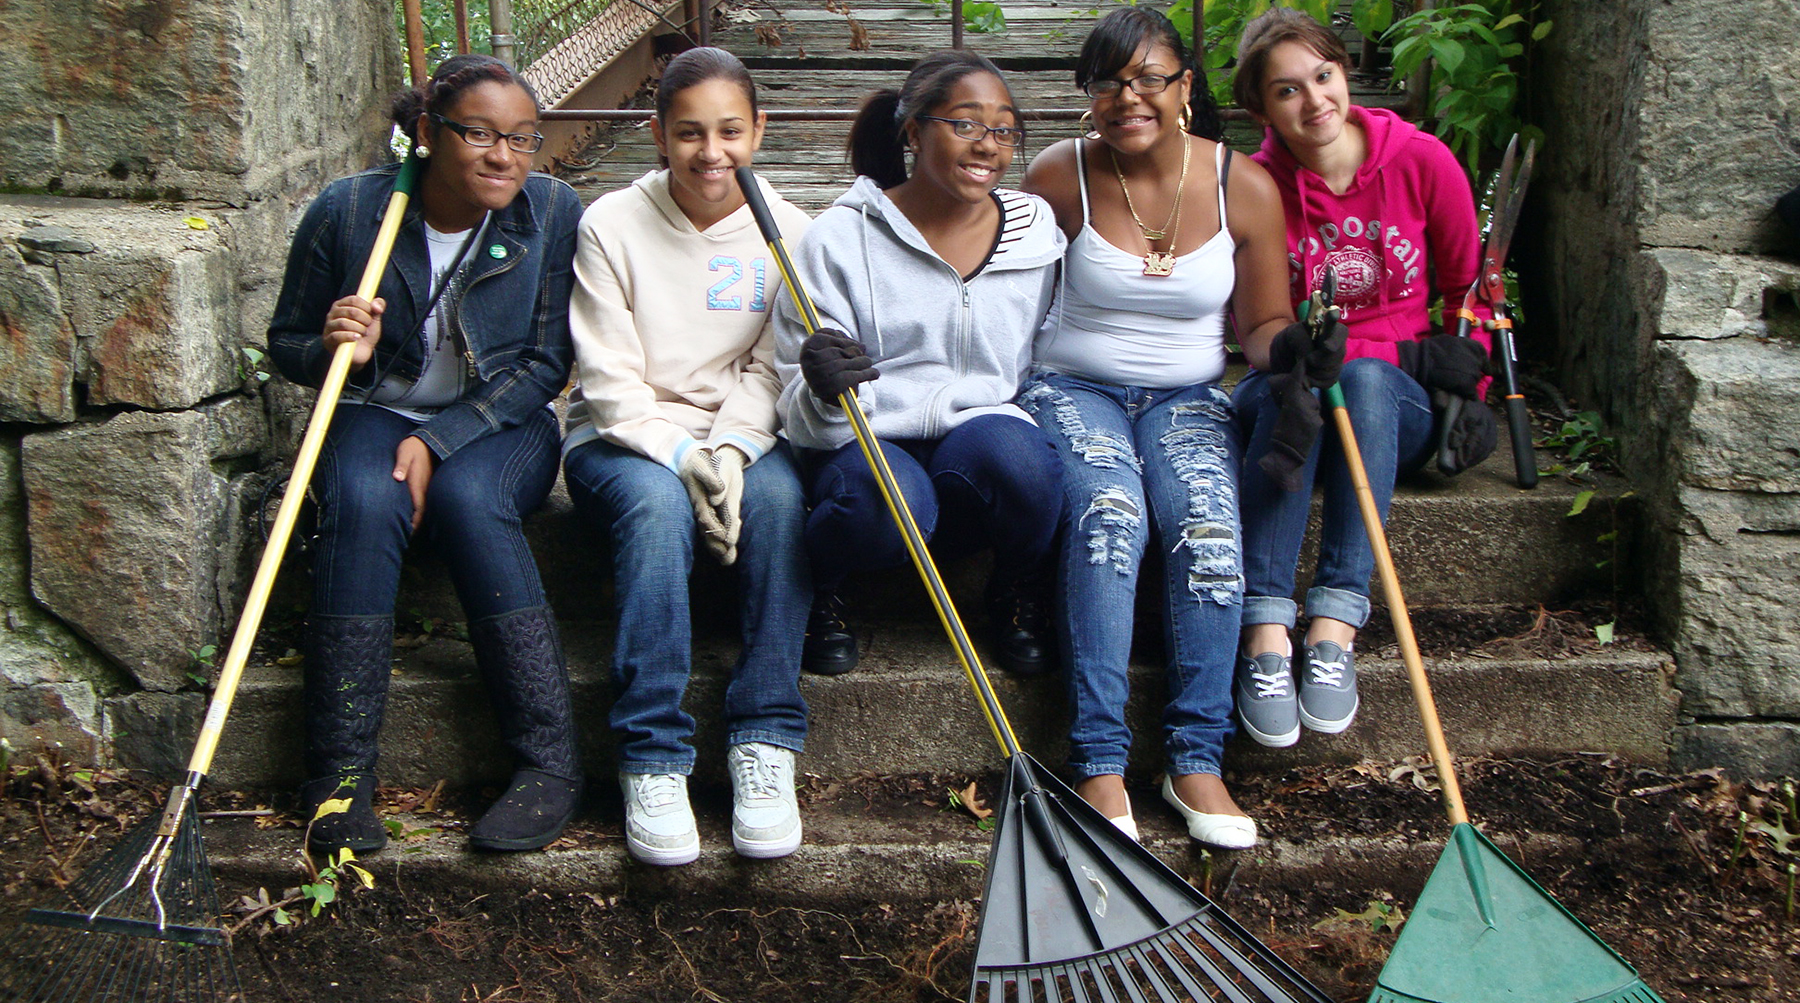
{"x":1672,"y":128}
{"x":156,"y":156}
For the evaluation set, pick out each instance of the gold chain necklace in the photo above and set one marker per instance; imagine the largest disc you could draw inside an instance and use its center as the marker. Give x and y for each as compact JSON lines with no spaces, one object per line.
{"x":1158,"y":262}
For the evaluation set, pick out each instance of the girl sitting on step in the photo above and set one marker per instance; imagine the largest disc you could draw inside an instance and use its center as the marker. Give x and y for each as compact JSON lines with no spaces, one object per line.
{"x":671,"y":444}
{"x":457,"y":360}
{"x":1388,"y":209}
{"x":1127,"y":385}
{"x":934,"y":280}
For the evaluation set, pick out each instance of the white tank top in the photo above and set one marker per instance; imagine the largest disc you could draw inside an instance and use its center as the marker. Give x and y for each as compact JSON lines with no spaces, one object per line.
{"x":1114,"y":324}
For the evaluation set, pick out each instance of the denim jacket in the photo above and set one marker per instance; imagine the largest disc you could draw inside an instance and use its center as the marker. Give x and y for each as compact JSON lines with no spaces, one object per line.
{"x":508,"y":308}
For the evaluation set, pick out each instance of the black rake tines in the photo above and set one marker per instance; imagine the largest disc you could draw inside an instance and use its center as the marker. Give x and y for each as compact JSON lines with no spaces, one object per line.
{"x":1208,"y":958}
{"x":130,"y":929}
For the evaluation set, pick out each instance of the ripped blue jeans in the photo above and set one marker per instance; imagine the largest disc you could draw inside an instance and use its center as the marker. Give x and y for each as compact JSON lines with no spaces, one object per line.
{"x":1173,"y":454}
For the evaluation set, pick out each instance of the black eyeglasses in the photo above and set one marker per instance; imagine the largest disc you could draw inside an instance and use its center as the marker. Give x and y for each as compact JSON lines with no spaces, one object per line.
{"x":975,"y":132}
{"x":475,"y":135}
{"x":1149,"y":83}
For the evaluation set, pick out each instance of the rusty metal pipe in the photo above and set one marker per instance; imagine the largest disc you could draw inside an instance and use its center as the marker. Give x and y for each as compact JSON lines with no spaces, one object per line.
{"x":414,"y":23}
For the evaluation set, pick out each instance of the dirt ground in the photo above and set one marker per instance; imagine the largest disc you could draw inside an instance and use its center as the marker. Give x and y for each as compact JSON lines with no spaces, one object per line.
{"x":1658,"y":868}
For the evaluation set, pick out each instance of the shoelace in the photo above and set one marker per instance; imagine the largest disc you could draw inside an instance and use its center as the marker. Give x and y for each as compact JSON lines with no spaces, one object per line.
{"x":827,"y":615}
{"x":658,"y":791}
{"x":1326,"y":673}
{"x":758,"y":778}
{"x":1271,"y":684}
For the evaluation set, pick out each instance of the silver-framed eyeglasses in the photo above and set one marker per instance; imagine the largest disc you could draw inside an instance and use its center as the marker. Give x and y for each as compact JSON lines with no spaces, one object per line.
{"x":475,"y":135}
{"x":1149,"y":83}
{"x":975,"y":132}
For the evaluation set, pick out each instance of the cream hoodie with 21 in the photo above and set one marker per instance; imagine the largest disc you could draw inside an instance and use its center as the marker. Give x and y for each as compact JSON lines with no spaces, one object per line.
{"x":672,"y":347}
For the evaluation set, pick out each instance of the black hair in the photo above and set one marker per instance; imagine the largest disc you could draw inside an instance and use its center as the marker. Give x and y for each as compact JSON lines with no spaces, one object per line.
{"x":1116,"y":41}
{"x":453,"y":76}
{"x":877,"y":137}
{"x":697,"y":66}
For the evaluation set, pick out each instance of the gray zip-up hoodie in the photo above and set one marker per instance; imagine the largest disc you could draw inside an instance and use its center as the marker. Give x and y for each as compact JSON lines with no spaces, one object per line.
{"x":948,"y":350}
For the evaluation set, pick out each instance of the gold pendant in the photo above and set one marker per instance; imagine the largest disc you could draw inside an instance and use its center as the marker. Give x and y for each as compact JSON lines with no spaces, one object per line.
{"x":1159,"y":263}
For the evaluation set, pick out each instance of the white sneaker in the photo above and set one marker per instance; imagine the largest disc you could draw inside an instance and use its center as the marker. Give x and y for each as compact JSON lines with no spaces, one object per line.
{"x":659,"y":824}
{"x":765,"y":820}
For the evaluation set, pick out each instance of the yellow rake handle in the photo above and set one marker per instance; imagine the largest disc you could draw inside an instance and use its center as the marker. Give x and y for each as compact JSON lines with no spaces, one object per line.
{"x":232,"y":671}
{"x":884,"y":476}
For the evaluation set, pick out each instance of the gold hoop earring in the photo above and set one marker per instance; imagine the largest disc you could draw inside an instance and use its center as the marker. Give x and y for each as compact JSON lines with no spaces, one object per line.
{"x":1086,"y":124}
{"x":1186,"y":118}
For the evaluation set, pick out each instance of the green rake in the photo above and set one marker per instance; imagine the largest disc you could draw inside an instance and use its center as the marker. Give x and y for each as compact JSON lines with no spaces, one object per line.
{"x":1482,"y":930}
{"x":143,"y":923}
{"x":1074,"y":910}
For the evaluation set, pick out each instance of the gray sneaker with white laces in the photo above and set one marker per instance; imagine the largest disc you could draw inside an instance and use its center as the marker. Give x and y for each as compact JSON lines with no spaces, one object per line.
{"x":1328,"y":699}
{"x":659,"y":823}
{"x":765,"y":819}
{"x":1266,"y":702}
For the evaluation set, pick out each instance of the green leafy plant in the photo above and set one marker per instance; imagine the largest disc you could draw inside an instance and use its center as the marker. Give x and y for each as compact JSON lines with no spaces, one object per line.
{"x":1584,"y":444}
{"x":200,"y":664}
{"x":1473,"y":91}
{"x":253,"y":365}
{"x":979,"y":16}
{"x":1225,"y":21}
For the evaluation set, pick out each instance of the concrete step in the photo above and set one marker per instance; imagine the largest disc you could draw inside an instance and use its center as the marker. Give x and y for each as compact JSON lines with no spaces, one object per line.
{"x":909,"y":709}
{"x":859,"y":849}
{"x":1472,"y":540}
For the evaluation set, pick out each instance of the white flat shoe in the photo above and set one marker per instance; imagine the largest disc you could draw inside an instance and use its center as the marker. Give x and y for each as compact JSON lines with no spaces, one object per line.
{"x":1228,"y":832}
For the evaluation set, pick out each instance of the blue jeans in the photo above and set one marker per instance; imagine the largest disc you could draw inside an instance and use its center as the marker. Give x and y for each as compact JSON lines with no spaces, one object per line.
{"x":645,"y":511}
{"x":995,"y":480}
{"x":1391,"y":416}
{"x":1173,"y":453}
{"x":475,"y":513}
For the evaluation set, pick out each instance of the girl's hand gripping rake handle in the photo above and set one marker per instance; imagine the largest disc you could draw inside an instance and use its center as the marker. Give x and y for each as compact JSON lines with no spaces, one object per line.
{"x":890,"y":488}
{"x":231,"y":672}
{"x":1390,"y":584}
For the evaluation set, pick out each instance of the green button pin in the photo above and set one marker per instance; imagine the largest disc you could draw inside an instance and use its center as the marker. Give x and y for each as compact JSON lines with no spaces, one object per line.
{"x":496,"y":251}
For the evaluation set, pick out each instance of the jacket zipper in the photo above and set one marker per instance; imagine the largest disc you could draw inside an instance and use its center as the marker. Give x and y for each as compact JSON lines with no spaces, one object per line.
{"x":456,"y":328}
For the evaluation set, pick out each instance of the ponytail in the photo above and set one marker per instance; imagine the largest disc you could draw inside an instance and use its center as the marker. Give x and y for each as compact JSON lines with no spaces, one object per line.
{"x":877,"y":148}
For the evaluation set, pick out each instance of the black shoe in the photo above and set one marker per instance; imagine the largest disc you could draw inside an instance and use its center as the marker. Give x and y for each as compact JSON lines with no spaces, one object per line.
{"x":830,"y":647}
{"x":521,"y":658}
{"x":530,"y":815}
{"x":356,"y":828}
{"x":1019,"y":620}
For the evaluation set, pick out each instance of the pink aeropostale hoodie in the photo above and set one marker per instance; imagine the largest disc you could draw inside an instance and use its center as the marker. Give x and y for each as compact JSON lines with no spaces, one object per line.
{"x":1405,"y":225}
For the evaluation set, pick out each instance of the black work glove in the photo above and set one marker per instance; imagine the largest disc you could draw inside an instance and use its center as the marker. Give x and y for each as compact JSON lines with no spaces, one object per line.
{"x":1473,"y":434}
{"x":1324,"y":359}
{"x":1296,"y":431}
{"x":833,"y":362}
{"x":1445,"y":362}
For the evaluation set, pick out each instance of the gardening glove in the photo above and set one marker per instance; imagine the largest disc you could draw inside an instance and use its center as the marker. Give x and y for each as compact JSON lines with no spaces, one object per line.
{"x":1473,"y":434}
{"x":1324,"y":359}
{"x":1445,"y":362}
{"x":833,"y":362}
{"x":1296,"y":430}
{"x":727,"y":502}
{"x":700,"y":475}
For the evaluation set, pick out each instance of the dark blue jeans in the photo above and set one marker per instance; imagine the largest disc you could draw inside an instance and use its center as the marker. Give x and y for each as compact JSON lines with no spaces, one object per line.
{"x":475,"y":513}
{"x":1137,"y":459}
{"x":995,"y":480}
{"x":645,"y":511}
{"x":1392,"y":418}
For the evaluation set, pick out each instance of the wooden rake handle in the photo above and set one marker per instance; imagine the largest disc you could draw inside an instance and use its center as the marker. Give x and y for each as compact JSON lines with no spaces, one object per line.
{"x":1390,"y":584}
{"x":256,"y":604}
{"x":884,"y":477}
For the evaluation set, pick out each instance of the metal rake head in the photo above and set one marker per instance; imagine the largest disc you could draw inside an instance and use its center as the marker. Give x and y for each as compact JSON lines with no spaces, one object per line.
{"x":142,"y":924}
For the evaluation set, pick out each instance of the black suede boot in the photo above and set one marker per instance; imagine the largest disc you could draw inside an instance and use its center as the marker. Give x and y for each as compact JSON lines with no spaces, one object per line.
{"x":520,"y":655}
{"x":1019,"y":621}
{"x":348,"y":659}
